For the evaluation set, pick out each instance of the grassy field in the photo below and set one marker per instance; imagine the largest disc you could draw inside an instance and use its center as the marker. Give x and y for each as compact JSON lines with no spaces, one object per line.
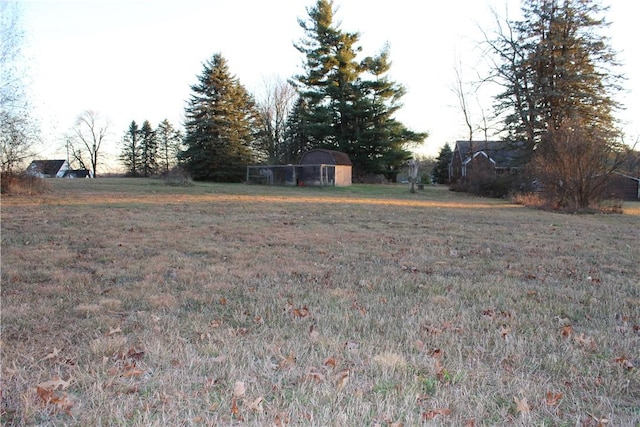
{"x":133,"y":303}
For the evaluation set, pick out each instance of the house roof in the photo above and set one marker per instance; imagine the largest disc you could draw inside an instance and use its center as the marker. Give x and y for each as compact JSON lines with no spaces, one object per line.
{"x":503,"y":153}
{"x":46,"y":167}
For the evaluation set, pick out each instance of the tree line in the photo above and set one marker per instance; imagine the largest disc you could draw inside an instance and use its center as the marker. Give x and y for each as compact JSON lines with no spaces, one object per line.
{"x":147,"y":151}
{"x":557,"y":98}
{"x":340,"y":102}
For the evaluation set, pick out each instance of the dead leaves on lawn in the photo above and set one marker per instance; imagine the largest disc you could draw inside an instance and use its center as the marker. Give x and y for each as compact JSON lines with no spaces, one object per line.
{"x":51,"y":393}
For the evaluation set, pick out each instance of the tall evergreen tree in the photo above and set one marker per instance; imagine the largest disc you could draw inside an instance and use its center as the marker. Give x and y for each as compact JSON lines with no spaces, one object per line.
{"x":131,"y":150}
{"x":558,"y":96}
{"x":149,"y":149}
{"x":441,"y":169}
{"x":350,"y":102}
{"x":169,"y":141}
{"x":219,"y":128}
{"x":555,"y":68}
{"x":296,"y":140}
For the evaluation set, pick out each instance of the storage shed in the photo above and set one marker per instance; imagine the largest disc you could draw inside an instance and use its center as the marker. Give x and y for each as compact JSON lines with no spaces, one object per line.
{"x":316,"y":168}
{"x":325,"y":167}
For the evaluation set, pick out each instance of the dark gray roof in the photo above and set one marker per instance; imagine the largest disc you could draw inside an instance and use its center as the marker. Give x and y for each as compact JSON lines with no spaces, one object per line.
{"x":339,"y":158}
{"x":46,"y":167}
{"x":504,"y":153}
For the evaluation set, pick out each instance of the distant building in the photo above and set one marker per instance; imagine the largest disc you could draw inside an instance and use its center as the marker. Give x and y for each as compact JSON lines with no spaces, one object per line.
{"x":55,"y":169}
{"x":485,"y":157}
{"x":48,"y":168}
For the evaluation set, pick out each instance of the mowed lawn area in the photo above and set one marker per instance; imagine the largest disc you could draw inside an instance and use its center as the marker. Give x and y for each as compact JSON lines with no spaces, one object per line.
{"x":132,"y":303}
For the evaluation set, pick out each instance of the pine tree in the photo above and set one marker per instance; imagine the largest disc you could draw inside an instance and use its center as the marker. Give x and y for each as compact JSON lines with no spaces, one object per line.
{"x":381,"y":138}
{"x":296,"y":140}
{"x":555,"y":68}
{"x":149,"y":149}
{"x":558,"y":97}
{"x":169,"y":141}
{"x":131,"y":150}
{"x":219,"y":125}
{"x":350,"y":103}
{"x":441,"y":169}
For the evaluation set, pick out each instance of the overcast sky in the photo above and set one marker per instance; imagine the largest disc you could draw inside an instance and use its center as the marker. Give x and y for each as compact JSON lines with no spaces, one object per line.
{"x":136,"y":59}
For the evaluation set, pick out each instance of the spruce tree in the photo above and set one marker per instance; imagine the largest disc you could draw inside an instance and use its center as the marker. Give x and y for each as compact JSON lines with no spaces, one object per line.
{"x":149,"y":149}
{"x":169,"y":140}
{"x":219,"y":128}
{"x":555,"y":68}
{"x":350,"y":102}
{"x":296,"y":140}
{"x":441,"y":169}
{"x":131,"y":150}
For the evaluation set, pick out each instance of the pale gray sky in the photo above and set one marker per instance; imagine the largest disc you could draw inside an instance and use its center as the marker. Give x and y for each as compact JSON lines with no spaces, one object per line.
{"x":136,"y":59}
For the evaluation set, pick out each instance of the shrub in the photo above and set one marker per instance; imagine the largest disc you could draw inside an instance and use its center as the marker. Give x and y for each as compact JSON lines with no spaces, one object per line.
{"x":484,"y":184}
{"x":15,"y":184}
{"x":177,"y":177}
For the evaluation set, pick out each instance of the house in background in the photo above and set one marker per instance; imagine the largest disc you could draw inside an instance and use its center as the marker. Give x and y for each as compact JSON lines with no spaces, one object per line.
{"x":624,"y":184}
{"x":482,"y":158}
{"x":316,"y":168}
{"x":55,"y":169}
{"x":48,"y":168}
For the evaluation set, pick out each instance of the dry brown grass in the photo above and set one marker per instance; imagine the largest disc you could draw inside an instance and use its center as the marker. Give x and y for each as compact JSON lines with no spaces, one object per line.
{"x":149,"y":305}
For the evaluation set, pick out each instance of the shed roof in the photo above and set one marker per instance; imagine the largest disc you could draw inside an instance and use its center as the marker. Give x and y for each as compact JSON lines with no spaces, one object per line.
{"x":338,"y":157}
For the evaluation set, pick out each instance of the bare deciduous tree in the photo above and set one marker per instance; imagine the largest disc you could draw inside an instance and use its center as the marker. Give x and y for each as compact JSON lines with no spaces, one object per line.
{"x":273,"y":109}
{"x":575,"y":165}
{"x":18,"y":131}
{"x":461,"y":94}
{"x":87,"y":137}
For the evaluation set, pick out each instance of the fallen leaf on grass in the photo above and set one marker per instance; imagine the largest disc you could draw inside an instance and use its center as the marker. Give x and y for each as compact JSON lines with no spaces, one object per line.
{"x":301,"y":312}
{"x":289,"y":361}
{"x":314,"y":375}
{"x":60,"y":400}
{"x":522,"y":405}
{"x":435,"y":412}
{"x":626,"y":363}
{"x":505,"y":331}
{"x":585,"y":342}
{"x":113,"y":331}
{"x":47,"y":392}
{"x":552,"y":399}
{"x":566,"y":331}
{"x":131,"y":371}
{"x":234,"y":408}
{"x":55,"y":383}
{"x":330,"y":361}
{"x":343,"y":379}
{"x":256,"y":405}
{"x":238,"y":389}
